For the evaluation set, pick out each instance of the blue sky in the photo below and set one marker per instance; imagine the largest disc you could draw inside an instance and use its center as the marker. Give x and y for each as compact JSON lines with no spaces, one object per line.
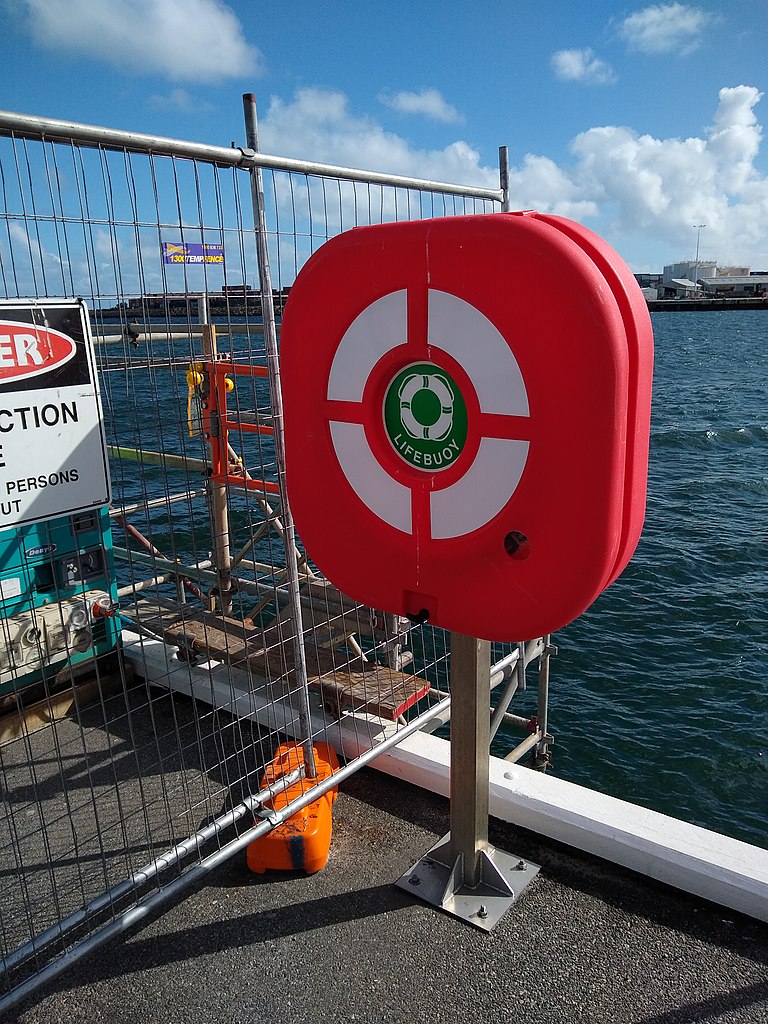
{"x":639,"y":120}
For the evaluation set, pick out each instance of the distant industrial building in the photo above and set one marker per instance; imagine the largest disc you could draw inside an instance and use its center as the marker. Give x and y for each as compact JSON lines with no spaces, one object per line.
{"x":704,"y":278}
{"x":648,"y":280}
{"x":650,"y":285}
{"x":688,"y":270}
{"x":736,"y":285}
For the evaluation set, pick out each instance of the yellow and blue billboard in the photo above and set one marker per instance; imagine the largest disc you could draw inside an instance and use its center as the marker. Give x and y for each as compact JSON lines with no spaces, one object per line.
{"x":192,"y":252}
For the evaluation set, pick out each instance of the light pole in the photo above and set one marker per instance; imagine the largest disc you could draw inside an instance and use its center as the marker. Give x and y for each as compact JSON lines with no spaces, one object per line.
{"x":698,"y":239}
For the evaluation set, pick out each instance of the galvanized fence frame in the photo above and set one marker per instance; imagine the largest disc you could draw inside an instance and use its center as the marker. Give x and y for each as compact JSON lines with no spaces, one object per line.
{"x":84,"y":212}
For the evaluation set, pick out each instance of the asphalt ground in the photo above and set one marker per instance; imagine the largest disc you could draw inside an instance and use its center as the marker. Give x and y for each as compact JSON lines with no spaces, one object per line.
{"x":587,"y":942}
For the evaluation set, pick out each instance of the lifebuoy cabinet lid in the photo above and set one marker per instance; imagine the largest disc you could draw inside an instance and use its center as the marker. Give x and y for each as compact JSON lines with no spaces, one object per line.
{"x":637,"y":322}
{"x":456,"y":399}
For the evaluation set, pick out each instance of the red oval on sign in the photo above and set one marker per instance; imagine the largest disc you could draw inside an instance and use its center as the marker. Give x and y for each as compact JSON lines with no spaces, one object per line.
{"x":27,"y":350}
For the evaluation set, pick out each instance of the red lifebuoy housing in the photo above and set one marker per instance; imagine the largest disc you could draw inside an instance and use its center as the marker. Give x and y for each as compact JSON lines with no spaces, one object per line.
{"x":467,"y":406}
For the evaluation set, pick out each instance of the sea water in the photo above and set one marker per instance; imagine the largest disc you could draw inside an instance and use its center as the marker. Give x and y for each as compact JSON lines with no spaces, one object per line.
{"x":659,"y":694}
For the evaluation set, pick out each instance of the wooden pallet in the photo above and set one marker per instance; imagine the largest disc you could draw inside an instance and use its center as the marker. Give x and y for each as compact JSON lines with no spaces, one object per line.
{"x":344,"y":682}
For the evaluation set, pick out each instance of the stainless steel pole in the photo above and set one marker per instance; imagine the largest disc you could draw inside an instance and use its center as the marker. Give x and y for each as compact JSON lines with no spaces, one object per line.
{"x":463,"y":874}
{"x":470,"y":740}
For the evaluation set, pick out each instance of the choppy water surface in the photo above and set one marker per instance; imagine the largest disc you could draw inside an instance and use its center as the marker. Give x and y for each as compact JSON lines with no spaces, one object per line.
{"x":660,"y":692}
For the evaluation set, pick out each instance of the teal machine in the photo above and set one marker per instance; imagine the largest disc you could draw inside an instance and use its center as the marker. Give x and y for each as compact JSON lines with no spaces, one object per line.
{"x":58,"y":597}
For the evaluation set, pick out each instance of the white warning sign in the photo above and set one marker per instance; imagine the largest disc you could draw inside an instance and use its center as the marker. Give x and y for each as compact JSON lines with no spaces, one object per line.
{"x":53,"y":454}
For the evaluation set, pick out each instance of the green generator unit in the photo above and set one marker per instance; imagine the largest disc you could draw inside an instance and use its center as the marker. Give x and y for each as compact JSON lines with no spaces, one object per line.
{"x":58,"y":598}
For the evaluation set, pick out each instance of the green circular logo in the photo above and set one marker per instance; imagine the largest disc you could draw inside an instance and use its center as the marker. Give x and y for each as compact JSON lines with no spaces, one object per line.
{"x":425,"y":417}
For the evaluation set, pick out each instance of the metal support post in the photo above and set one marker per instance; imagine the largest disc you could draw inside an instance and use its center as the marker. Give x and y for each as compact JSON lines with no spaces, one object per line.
{"x":470,"y":737}
{"x":218,"y":492}
{"x":541,"y":759}
{"x":463,"y":874}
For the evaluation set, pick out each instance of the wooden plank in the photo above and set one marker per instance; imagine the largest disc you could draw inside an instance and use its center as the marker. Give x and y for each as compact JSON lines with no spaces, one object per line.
{"x":345,"y":682}
{"x":215,"y":636}
{"x":376,"y":689}
{"x":152,"y":614}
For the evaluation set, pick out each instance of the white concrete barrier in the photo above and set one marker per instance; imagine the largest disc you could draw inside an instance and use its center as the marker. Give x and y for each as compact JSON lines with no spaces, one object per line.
{"x":707,"y":864}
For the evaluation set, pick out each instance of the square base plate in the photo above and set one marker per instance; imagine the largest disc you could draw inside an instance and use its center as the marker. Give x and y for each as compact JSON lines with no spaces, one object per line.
{"x":436,"y":878}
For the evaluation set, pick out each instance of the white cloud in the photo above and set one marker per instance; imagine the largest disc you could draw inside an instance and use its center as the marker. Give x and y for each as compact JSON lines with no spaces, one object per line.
{"x":319,"y":122}
{"x":734,"y":141}
{"x":179,"y":100}
{"x":37,"y":253}
{"x":428,"y":102}
{"x":183,"y":40}
{"x":663,"y":186}
{"x":626,"y":185}
{"x":665,"y":28}
{"x":540,"y":184}
{"x":582,"y":66}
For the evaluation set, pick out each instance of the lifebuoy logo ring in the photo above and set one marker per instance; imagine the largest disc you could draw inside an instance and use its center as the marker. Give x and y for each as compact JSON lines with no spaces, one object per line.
{"x":422,"y":392}
{"x":425,"y":417}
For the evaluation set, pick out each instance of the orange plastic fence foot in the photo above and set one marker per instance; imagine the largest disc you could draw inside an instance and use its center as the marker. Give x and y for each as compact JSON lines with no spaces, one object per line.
{"x":303,"y":841}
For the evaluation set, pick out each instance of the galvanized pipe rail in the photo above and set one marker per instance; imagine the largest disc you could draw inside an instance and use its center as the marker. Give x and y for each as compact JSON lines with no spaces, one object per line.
{"x":105,"y":335}
{"x":28,"y":126}
{"x":201,"y":870}
{"x":168,"y":499}
{"x":149,"y":871}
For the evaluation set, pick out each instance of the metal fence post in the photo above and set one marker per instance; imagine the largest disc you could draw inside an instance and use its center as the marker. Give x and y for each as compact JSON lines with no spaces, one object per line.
{"x":506,"y":204}
{"x":273,"y":367}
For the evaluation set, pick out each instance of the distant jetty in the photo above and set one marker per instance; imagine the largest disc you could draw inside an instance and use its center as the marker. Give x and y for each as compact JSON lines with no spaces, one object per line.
{"x":704,"y":305}
{"x":237,"y":302}
{"x":150,"y":307}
